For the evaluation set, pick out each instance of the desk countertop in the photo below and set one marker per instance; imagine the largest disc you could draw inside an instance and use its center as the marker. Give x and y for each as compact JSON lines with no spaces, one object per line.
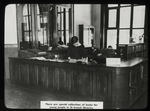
{"x":128,"y":63}
{"x":131,"y":62}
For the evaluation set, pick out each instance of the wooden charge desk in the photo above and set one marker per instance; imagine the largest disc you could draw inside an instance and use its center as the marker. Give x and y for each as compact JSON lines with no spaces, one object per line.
{"x":116,"y":86}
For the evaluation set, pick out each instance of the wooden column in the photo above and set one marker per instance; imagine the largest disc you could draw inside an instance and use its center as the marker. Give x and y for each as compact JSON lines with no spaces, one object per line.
{"x":19,"y":20}
{"x":34,"y":26}
{"x":71,"y":21}
{"x":55,"y":25}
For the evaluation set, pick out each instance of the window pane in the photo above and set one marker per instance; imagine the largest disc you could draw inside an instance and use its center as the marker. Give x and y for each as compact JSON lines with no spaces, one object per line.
{"x":25,"y":10}
{"x":62,"y":21}
{"x":59,"y":33}
{"x":58,"y":21}
{"x":125,"y":4}
{"x":29,"y":9}
{"x":62,"y":35}
{"x":67,"y":37}
{"x":112,"y":5}
{"x":38,"y":22}
{"x":112,"y":18}
{"x":58,"y":9}
{"x":112,"y":38}
{"x":30,"y":21}
{"x":86,"y":35}
{"x":45,"y":38}
{"x":67,"y":21}
{"x":124,"y":36}
{"x":40,"y":36}
{"x":136,"y":35}
{"x":138,"y":16}
{"x":125,"y":14}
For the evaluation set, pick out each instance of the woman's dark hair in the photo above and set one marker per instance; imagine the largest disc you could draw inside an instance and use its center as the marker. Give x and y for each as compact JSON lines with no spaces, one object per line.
{"x":74,"y":39}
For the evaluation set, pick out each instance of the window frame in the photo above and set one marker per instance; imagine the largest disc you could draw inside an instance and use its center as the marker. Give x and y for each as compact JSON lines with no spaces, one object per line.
{"x":106,"y":28}
{"x":29,"y":26}
{"x":62,"y":11}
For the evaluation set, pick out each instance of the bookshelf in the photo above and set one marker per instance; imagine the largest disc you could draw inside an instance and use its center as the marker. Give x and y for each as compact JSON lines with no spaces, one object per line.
{"x":129,"y":51}
{"x":86,"y":34}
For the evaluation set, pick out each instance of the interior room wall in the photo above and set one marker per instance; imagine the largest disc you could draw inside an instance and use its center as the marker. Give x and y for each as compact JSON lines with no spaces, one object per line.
{"x":10,"y":36}
{"x":82,"y":15}
{"x":89,"y":14}
{"x":10,"y":24}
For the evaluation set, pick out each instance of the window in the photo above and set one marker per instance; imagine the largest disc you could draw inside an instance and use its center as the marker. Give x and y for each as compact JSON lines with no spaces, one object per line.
{"x":123,"y":22}
{"x":43,"y":24}
{"x":63,"y":24}
{"x":26,"y":25}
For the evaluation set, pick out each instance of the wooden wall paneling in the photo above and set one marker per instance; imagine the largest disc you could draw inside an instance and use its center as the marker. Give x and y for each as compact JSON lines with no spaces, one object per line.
{"x":90,"y":75}
{"x":120,"y":85}
{"x":87,"y":80}
{"x":85,"y":83}
{"x":16,"y":72}
{"x":80,"y":82}
{"x":136,"y":82}
{"x":12,"y":77}
{"x":102,"y":86}
{"x":24,"y":73}
{"x":74,"y":81}
{"x":144,"y":84}
{"x":40,"y":75}
{"x":45,"y":76}
{"x":32,"y":75}
{"x":94,"y":85}
{"x":56,"y":78}
{"x":68,"y":76}
{"x":145,"y":69}
{"x":27,"y":67}
{"x":132,"y":93}
{"x":18,"y":68}
{"x":33,"y":72}
{"x":109,"y":87}
{"x":62,"y":79}
{"x":133,"y":88}
{"x":50,"y":77}
{"x":19,"y":72}
{"x":36,"y":79}
{"x":65,"y":71}
{"x":10,"y":69}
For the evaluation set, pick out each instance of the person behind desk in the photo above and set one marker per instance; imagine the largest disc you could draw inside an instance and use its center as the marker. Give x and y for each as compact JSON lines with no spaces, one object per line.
{"x":93,"y":52}
{"x":75,"y":49}
{"x":108,"y":52}
{"x":60,"y":42}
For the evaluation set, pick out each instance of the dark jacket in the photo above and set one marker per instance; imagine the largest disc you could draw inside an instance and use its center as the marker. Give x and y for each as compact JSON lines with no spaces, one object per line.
{"x":76,"y":52}
{"x":108,"y":52}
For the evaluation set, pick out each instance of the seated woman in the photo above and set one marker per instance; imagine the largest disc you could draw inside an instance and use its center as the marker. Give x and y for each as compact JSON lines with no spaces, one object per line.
{"x":75,"y":49}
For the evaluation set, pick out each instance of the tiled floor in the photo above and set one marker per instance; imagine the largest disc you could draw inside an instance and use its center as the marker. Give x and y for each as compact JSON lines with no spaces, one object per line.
{"x":21,"y":97}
